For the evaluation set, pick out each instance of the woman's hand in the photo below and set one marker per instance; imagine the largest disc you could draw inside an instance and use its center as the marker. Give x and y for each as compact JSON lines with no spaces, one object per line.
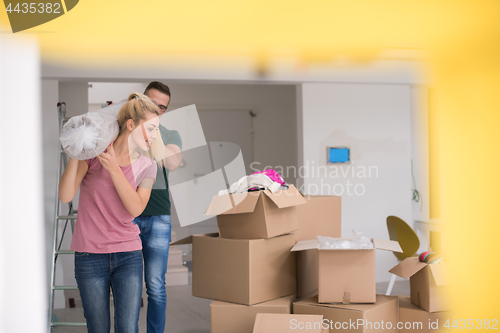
{"x":134,"y":200}
{"x":108,"y":159}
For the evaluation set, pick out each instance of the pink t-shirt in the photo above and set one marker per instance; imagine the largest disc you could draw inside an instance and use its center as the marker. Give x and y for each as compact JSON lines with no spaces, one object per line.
{"x":103,"y":224}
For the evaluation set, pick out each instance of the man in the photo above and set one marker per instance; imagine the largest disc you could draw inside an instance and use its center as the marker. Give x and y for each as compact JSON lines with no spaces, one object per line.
{"x":154,"y":222}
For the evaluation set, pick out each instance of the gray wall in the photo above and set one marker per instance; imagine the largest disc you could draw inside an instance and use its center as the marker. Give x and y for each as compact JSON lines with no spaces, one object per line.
{"x":50,"y":139}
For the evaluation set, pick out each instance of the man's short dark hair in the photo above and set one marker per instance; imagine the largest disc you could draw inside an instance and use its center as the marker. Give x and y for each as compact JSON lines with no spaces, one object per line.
{"x":163,"y":88}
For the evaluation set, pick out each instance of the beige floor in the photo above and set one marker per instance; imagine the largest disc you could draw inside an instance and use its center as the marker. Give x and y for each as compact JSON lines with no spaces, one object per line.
{"x":185,"y":313}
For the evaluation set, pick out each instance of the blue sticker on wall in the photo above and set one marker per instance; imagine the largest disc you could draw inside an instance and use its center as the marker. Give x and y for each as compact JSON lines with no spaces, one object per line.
{"x":338,"y":155}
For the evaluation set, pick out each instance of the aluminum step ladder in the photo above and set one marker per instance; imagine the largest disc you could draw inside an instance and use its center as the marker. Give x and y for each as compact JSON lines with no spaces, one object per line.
{"x":70,"y":218}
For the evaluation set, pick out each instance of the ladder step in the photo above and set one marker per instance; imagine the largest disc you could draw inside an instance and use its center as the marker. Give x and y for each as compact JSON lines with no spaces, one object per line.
{"x":65,"y":287}
{"x":67,"y":323}
{"x":65,"y":252}
{"x":66,"y":217}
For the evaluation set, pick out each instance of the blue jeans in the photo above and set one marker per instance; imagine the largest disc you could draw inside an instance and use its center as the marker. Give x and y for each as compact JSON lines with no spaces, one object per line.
{"x":156,"y":233}
{"x":95,"y":274}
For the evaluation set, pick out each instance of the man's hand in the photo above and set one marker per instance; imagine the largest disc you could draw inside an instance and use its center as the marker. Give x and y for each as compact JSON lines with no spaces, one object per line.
{"x":173,"y":157}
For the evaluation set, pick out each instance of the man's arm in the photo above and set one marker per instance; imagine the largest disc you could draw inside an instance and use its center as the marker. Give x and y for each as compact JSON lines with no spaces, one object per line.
{"x":173,"y":157}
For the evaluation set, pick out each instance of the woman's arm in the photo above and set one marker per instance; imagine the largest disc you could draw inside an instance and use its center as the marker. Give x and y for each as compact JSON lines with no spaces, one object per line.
{"x":134,"y":201}
{"x":71,"y":179}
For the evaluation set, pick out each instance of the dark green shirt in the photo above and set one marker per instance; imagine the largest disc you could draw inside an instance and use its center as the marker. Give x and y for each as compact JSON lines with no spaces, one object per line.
{"x":159,"y":202}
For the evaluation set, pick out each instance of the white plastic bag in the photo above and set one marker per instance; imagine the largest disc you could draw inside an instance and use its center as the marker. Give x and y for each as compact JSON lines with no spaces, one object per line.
{"x":358,"y":242}
{"x":361,"y":242}
{"x":88,"y":135}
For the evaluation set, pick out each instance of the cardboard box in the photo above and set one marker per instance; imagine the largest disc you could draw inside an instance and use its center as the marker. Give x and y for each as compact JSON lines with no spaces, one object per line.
{"x":428,"y":283}
{"x":282,"y":323}
{"x":381,"y":316}
{"x":242,"y":271}
{"x":416,"y":320}
{"x":320,"y":216}
{"x":256,"y":215}
{"x":307,"y":273}
{"x":229,"y":317}
{"x":346,"y":275}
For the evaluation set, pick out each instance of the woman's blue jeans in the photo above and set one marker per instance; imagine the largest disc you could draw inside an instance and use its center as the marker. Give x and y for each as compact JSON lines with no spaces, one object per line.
{"x":121,"y":272}
{"x":156,"y":233}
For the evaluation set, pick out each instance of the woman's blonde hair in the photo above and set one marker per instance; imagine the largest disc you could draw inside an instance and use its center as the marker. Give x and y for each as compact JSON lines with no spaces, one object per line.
{"x":135,"y":108}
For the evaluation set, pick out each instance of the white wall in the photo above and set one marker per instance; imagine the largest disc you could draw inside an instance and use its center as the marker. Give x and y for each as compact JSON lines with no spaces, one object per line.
{"x":373,"y":120}
{"x":275,"y":126}
{"x":75,"y":95}
{"x":23,"y":283}
{"x":420,"y":152}
{"x":100,"y":92}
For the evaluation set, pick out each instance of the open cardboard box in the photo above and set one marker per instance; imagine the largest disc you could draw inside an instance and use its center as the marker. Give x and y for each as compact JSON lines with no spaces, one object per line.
{"x":258,"y":214}
{"x":428,"y":283}
{"x":320,"y":216}
{"x":242,"y":271}
{"x":346,"y":275}
{"x":288,"y":323}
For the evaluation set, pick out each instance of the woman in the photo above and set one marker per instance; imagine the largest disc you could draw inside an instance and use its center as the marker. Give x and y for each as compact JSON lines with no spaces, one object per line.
{"x":114,"y":188}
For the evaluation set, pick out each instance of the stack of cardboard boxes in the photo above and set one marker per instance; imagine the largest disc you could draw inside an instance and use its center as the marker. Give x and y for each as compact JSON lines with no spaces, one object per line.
{"x":345,"y":289}
{"x":338,"y":284}
{"x":343,"y":285}
{"x":250,"y":261}
{"x":266,"y":256}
